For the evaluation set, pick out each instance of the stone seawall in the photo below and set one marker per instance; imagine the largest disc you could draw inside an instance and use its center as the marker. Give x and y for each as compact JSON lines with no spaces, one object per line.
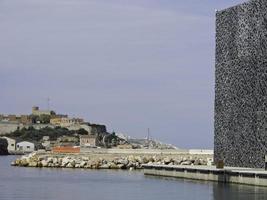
{"x":108,"y":161}
{"x":6,"y":128}
{"x":246,"y":176}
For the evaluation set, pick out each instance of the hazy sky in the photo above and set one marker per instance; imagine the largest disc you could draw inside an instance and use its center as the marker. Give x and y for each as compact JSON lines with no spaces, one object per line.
{"x":129,"y":64}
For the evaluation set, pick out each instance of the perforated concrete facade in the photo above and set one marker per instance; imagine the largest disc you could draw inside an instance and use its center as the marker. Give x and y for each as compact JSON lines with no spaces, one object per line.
{"x":241,"y":85}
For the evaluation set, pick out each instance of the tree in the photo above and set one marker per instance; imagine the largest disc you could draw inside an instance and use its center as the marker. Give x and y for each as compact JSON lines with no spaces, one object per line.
{"x":3,"y":146}
{"x":82,"y":131}
{"x":34,"y":118}
{"x":44,"y":119}
{"x":36,"y":135}
{"x":53,"y":113}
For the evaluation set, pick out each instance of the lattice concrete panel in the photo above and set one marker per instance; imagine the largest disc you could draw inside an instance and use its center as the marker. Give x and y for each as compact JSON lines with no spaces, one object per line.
{"x":241,"y":85}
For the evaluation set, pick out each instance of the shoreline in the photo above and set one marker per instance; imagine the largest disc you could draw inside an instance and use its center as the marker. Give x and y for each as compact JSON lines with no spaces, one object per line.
{"x":107,"y":160}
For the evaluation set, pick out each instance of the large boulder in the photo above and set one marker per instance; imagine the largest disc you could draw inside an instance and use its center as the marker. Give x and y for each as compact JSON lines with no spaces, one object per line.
{"x":104,"y":166}
{"x":3,"y":146}
{"x":167,"y":160}
{"x":83,"y":164}
{"x":24,"y":162}
{"x":33,"y":164}
{"x":44,"y":163}
{"x":123,"y":161}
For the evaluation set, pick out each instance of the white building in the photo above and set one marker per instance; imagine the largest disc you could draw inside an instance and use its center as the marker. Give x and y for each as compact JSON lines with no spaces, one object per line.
{"x":25,"y":147}
{"x":11,"y":144}
{"x":87,"y":140}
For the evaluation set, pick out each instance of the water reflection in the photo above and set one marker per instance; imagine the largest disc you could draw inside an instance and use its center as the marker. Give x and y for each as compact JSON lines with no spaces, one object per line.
{"x":221,"y":191}
{"x":234,"y":192}
{"x":68,"y":184}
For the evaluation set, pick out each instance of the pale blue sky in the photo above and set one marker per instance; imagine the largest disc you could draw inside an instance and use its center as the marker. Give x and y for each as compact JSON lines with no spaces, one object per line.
{"x":129,"y":64}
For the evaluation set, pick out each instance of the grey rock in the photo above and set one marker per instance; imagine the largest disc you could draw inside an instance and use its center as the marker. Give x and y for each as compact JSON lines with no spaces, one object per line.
{"x":33,"y":164}
{"x":121,"y":166}
{"x":186,"y":162}
{"x":44,"y":163}
{"x":104,"y":166}
{"x":69,"y":165}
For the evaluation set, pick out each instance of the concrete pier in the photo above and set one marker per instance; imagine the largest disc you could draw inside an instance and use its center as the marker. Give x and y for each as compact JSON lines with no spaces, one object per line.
{"x":248,"y":176}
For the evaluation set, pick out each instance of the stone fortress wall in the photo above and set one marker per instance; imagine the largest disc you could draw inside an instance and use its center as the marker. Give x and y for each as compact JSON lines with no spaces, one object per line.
{"x":241,"y":85}
{"x":8,"y":127}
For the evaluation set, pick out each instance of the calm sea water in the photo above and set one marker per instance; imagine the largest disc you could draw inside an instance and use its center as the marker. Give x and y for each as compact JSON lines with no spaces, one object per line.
{"x":78,"y":184}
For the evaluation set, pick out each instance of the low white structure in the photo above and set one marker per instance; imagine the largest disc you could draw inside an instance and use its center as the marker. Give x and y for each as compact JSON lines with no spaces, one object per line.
{"x":201,"y":151}
{"x":11,"y":144}
{"x":87,"y":140}
{"x":25,"y":147}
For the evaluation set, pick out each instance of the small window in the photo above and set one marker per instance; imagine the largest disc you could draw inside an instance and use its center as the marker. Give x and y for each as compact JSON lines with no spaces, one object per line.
{"x":12,"y":145}
{"x":28,"y":147}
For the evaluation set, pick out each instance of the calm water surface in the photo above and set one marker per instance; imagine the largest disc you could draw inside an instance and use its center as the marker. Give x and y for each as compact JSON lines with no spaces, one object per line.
{"x":79,"y":184}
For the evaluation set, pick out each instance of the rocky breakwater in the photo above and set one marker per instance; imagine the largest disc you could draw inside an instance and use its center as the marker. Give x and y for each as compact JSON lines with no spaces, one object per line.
{"x":97,"y":162}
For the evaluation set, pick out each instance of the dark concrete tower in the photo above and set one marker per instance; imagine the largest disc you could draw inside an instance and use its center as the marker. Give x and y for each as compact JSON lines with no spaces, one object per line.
{"x":241,"y":85}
